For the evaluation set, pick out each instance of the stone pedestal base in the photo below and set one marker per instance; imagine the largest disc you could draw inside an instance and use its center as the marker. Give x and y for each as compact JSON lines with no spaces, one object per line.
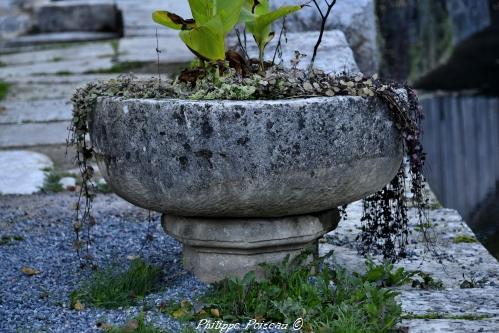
{"x":216,"y":248}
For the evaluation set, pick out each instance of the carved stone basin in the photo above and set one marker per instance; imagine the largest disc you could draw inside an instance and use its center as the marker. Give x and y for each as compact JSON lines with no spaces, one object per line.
{"x":243,"y":182}
{"x":245,"y":158}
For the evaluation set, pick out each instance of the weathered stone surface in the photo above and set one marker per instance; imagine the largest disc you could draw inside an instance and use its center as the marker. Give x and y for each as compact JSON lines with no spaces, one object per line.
{"x":441,"y":44}
{"x":245,"y":158}
{"x":356,"y":18}
{"x":214,"y":249}
{"x":21,"y":172}
{"x":445,"y":260}
{"x":334,"y":55}
{"x":67,"y":16}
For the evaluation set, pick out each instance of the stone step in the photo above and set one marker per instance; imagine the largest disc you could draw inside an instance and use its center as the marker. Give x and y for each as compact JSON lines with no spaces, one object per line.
{"x":59,"y":37}
{"x":35,"y":111}
{"x":33,"y":134}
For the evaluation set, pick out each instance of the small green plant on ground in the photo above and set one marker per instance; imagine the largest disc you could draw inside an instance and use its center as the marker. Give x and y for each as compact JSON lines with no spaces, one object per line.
{"x":464,"y":239}
{"x":52,"y":180}
{"x":423,"y":227}
{"x":136,"y":325}
{"x":4,"y":89}
{"x":109,"y":287}
{"x":385,"y":275}
{"x":331,"y":300}
{"x":426,"y":281}
{"x":472,"y":282}
{"x":9,"y":239}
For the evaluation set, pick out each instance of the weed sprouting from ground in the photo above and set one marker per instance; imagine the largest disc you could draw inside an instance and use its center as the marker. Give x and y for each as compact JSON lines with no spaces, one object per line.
{"x":331,"y":300}
{"x":4,"y":89}
{"x":10,"y":239}
{"x":109,"y":287}
{"x":464,"y":239}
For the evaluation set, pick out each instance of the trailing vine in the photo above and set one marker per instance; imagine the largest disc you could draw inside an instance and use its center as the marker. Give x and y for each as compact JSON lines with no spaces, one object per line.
{"x":385,"y":217}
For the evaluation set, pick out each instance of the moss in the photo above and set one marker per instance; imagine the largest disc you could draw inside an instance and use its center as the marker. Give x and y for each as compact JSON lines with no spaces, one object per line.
{"x":119,"y":68}
{"x":436,"y":315}
{"x":434,"y":43}
{"x":464,"y":239}
{"x":9,"y":239}
{"x":57,"y":59}
{"x":4,"y":89}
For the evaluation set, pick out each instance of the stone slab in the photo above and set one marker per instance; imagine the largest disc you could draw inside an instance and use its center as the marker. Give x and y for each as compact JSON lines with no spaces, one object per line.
{"x":35,"y":111}
{"x":355,"y":18}
{"x":21,"y":172}
{"x":65,"y":16}
{"x":59,"y":37}
{"x":33,"y":134}
{"x":333,"y":56}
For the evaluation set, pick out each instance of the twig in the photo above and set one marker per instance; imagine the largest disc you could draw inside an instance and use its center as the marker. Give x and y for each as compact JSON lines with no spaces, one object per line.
{"x":324,"y":17}
{"x":241,"y":45}
{"x":158,"y":51}
{"x":278,"y":49}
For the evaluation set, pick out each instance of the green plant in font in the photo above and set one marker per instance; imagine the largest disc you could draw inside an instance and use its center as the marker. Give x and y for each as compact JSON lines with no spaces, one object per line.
{"x":205,"y":34}
{"x":258,"y":17}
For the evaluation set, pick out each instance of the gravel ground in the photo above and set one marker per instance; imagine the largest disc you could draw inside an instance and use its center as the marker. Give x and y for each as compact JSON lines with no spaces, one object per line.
{"x":40,"y":303}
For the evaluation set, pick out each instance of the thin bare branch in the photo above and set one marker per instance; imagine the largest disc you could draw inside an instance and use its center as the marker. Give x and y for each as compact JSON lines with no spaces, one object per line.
{"x":324,"y":18}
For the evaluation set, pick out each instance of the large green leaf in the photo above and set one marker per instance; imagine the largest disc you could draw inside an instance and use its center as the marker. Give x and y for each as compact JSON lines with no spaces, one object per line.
{"x":206,"y":41}
{"x":172,"y":21}
{"x":229,"y":11}
{"x":259,"y":23}
{"x":265,"y":20}
{"x":202,"y":10}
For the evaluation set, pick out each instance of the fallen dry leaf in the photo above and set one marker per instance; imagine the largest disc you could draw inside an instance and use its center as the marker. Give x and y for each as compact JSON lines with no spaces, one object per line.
{"x":215,"y":313}
{"x":131,"y":326}
{"x":30,"y":271}
{"x":78,"y":306}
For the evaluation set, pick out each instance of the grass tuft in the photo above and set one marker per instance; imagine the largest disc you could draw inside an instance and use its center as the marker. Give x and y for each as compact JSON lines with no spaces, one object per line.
{"x":52,"y":180}
{"x":9,"y":239}
{"x":4,"y":89}
{"x":110,"y":288}
{"x":465,"y":239}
